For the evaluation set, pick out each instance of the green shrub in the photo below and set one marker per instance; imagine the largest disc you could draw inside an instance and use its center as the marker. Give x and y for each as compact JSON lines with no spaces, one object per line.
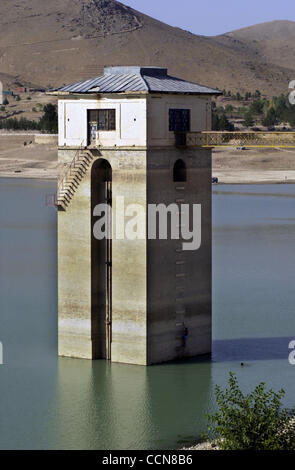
{"x":256,"y":421}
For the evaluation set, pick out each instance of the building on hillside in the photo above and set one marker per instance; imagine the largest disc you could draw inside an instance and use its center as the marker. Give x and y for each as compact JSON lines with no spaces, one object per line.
{"x":122,"y":143}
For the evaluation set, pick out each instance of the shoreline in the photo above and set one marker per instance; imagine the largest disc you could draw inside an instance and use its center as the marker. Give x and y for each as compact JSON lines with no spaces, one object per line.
{"x":30,"y":155}
{"x":34,"y":156}
{"x":229,"y":180}
{"x":206,"y":445}
{"x":245,"y":176}
{"x":26,"y":177}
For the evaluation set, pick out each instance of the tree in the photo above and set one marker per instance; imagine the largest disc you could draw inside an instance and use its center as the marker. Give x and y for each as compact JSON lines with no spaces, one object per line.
{"x":224,"y":124}
{"x":255,"y":421}
{"x":220,"y":122}
{"x":229,"y":108}
{"x":248,"y":119}
{"x":257,"y":107}
{"x":257,"y":94}
{"x":270,"y":119}
{"x":215,"y":121}
{"x":21,"y":124}
{"x":290,"y":117}
{"x":49,"y":120}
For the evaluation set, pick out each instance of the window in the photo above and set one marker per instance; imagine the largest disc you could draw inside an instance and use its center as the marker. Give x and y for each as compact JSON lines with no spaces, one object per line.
{"x":179,"y":172}
{"x":100,"y":120}
{"x":106,"y":119}
{"x":179,"y":120}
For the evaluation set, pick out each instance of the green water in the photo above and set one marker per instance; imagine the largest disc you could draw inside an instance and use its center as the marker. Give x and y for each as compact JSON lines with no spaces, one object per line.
{"x":51,"y":403}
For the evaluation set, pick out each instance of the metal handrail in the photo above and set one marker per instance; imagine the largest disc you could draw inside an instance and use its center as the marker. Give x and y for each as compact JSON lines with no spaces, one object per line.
{"x":241,"y":138}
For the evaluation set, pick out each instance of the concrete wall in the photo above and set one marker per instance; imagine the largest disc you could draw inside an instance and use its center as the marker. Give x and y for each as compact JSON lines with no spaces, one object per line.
{"x":45,"y":139}
{"x":27,"y":138}
{"x":158,"y":116}
{"x":128,"y":272}
{"x":157,"y":289}
{"x":130,"y":120}
{"x":179,"y":282}
{"x":74,"y":272}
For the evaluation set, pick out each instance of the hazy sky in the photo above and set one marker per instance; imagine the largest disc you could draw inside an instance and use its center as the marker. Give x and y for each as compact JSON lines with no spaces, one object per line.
{"x":210,"y":17}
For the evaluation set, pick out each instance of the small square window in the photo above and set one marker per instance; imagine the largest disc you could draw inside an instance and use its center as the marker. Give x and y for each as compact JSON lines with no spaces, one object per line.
{"x":106,"y":119}
{"x":100,"y":120}
{"x":179,"y":120}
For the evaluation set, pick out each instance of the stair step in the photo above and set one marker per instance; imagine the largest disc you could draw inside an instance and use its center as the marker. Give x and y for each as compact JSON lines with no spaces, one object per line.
{"x":73,"y":178}
{"x":86,"y":158}
{"x":83,"y":165}
{"x":80,"y":169}
{"x":64,"y":192}
{"x":70,"y":190}
{"x":78,"y":176}
{"x":64,"y":196}
{"x":74,"y":182}
{"x":61,"y":208}
{"x":61,"y":202}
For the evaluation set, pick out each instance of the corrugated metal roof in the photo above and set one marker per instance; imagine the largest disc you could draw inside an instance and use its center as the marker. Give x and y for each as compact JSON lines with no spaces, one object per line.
{"x":124,"y":79}
{"x":175,"y":85}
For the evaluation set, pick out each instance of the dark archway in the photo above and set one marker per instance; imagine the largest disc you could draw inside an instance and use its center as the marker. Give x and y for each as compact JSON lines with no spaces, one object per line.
{"x":101,"y":265}
{"x":179,"y":171}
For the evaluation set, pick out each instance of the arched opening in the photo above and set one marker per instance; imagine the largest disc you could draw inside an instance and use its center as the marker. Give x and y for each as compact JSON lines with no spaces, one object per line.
{"x":101,"y":264}
{"x":179,"y":171}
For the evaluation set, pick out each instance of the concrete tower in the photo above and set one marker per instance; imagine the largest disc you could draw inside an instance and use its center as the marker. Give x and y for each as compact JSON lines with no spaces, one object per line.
{"x":122,"y":142}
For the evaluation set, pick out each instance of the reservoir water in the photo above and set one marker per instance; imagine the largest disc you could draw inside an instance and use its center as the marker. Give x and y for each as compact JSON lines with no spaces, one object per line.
{"x":51,"y":403}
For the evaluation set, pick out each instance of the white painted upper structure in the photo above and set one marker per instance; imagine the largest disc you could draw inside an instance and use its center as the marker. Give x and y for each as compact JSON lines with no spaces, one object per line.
{"x":131,"y":107}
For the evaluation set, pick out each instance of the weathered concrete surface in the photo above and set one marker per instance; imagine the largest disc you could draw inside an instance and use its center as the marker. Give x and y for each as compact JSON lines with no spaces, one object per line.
{"x":158,"y":290}
{"x":161,"y":295}
{"x":179,"y":282}
{"x":128,"y":270}
{"x":74,"y":273}
{"x":129,"y":328}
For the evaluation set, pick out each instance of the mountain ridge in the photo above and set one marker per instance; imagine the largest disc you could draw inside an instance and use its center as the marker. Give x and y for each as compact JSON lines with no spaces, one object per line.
{"x":63,"y":41}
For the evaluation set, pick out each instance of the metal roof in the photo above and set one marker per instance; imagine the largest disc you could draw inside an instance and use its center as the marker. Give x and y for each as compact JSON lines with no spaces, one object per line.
{"x":124,"y":79}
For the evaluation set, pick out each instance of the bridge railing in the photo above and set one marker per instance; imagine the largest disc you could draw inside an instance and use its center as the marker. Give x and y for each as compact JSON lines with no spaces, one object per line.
{"x":240,"y":139}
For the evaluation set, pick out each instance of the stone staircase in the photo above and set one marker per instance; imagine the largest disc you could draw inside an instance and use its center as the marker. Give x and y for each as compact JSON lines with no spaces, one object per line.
{"x":70,"y":179}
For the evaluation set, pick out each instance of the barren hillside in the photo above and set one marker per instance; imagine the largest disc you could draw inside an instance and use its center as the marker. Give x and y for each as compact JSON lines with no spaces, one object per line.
{"x":49,"y":43}
{"x":272,"y":42}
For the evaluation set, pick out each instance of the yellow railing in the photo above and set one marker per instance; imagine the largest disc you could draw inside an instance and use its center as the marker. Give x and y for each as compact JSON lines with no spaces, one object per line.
{"x":241,"y":139}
